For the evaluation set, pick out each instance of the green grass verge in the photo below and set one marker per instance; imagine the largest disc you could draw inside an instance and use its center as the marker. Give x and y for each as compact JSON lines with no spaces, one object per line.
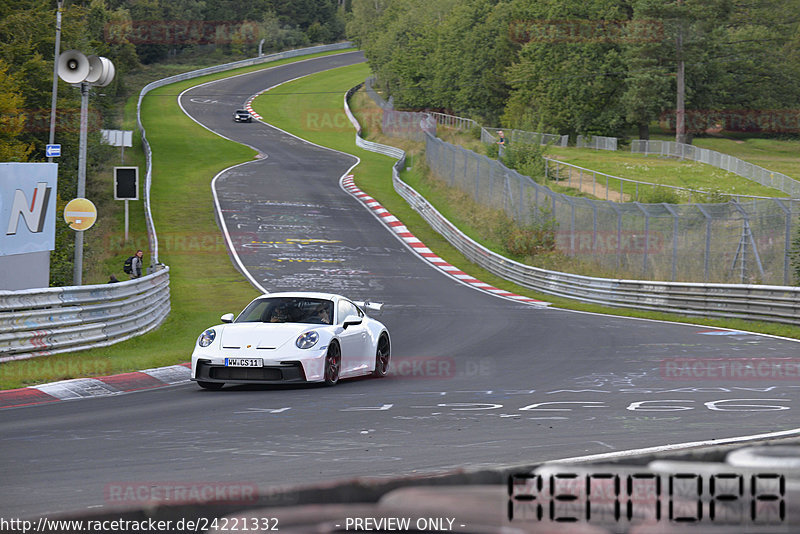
{"x":373,"y":175}
{"x":775,"y":155}
{"x":658,"y":170}
{"x":203,"y":282}
{"x":778,"y":155}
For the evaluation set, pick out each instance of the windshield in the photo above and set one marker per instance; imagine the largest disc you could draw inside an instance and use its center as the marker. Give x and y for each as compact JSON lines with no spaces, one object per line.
{"x":288,"y":310}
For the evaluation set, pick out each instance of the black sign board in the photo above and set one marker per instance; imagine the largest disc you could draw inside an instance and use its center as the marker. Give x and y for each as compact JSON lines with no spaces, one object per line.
{"x":126,"y":183}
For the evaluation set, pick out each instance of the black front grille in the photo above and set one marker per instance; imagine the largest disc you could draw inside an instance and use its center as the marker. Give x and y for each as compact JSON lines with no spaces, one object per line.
{"x":245,"y":373}
{"x":284,"y":372}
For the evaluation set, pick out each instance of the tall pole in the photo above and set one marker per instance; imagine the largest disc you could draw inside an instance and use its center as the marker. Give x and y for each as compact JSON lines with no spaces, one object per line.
{"x":55,"y":79}
{"x":680,"y":104}
{"x":77,"y":268}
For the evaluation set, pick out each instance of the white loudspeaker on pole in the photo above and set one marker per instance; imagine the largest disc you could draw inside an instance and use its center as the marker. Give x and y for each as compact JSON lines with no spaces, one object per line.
{"x":73,"y":67}
{"x":101,"y":71}
{"x":76,"y":68}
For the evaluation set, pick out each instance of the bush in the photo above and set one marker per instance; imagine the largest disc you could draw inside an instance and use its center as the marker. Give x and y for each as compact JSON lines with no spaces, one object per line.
{"x":475,"y":132}
{"x":533,"y":239}
{"x":709,"y":196}
{"x":659,"y":195}
{"x":525,"y":159}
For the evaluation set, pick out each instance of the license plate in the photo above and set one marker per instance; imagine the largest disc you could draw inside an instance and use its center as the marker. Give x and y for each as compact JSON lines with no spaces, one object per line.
{"x":244,"y":362}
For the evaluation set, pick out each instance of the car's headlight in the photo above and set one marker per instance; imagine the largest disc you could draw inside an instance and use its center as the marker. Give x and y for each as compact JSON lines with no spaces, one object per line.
{"x":307,"y":340}
{"x":207,"y":338}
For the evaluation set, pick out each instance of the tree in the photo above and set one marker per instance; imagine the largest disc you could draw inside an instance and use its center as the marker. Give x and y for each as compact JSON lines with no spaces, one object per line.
{"x":569,"y":76}
{"x":473,"y":49}
{"x":12,"y":121}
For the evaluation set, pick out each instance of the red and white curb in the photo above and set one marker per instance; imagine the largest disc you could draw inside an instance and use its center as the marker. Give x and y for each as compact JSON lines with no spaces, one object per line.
{"x":397,"y":226}
{"x":249,"y":105}
{"x":103,"y":386}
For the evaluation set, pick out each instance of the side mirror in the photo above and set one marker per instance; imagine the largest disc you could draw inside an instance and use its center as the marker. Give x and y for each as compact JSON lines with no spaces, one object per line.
{"x":227,"y":318}
{"x":351,"y":320}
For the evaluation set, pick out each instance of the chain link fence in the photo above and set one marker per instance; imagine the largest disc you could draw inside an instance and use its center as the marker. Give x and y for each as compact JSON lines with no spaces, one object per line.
{"x":717,"y":159}
{"x":739,"y":241}
{"x":745,"y":241}
{"x":522,"y":137}
{"x":596,"y":142}
{"x":610,"y":187}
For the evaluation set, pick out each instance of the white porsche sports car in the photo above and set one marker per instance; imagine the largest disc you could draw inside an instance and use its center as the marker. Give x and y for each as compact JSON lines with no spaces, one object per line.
{"x":292,"y":337}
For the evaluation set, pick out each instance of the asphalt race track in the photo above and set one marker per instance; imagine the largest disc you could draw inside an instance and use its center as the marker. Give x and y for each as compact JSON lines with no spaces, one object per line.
{"x":477,"y":380}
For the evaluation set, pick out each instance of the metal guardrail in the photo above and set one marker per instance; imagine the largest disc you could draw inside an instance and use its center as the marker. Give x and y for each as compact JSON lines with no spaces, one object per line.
{"x":39,"y":322}
{"x":779,"y":304}
{"x":726,"y":162}
{"x":386,"y":150}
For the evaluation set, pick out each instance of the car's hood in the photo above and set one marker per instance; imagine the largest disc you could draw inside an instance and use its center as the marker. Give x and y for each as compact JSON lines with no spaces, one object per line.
{"x":261,"y":335}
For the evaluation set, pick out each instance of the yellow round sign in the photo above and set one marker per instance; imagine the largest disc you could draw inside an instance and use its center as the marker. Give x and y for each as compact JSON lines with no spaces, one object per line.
{"x":80,"y":214}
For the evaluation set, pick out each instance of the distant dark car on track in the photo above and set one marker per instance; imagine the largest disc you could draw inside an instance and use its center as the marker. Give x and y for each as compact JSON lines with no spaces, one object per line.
{"x":242,"y":115}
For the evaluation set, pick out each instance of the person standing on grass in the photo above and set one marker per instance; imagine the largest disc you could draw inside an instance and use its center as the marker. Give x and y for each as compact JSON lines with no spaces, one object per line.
{"x":502,"y":142}
{"x":137,"y":264}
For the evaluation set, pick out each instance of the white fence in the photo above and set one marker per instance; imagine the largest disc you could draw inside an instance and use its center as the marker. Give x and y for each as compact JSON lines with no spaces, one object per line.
{"x":596,"y":142}
{"x":452,"y":121}
{"x":522,"y":137}
{"x":488,"y":135}
{"x":779,"y":304}
{"x":717,"y":159}
{"x":38,"y":322}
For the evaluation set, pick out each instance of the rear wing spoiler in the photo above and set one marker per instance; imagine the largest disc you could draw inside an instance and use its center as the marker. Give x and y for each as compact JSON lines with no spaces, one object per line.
{"x":372,"y":306}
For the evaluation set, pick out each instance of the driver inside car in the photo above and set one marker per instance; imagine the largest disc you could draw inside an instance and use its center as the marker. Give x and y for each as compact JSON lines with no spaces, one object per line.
{"x":280,"y":314}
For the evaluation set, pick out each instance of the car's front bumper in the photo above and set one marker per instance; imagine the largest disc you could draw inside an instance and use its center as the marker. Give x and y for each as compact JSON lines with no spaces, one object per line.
{"x":297,"y":365}
{"x":273,"y":373}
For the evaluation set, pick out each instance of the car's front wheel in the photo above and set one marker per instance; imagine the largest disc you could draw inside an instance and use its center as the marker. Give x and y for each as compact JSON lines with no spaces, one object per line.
{"x":210,"y":385}
{"x":382,"y":355}
{"x":333,"y":362}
